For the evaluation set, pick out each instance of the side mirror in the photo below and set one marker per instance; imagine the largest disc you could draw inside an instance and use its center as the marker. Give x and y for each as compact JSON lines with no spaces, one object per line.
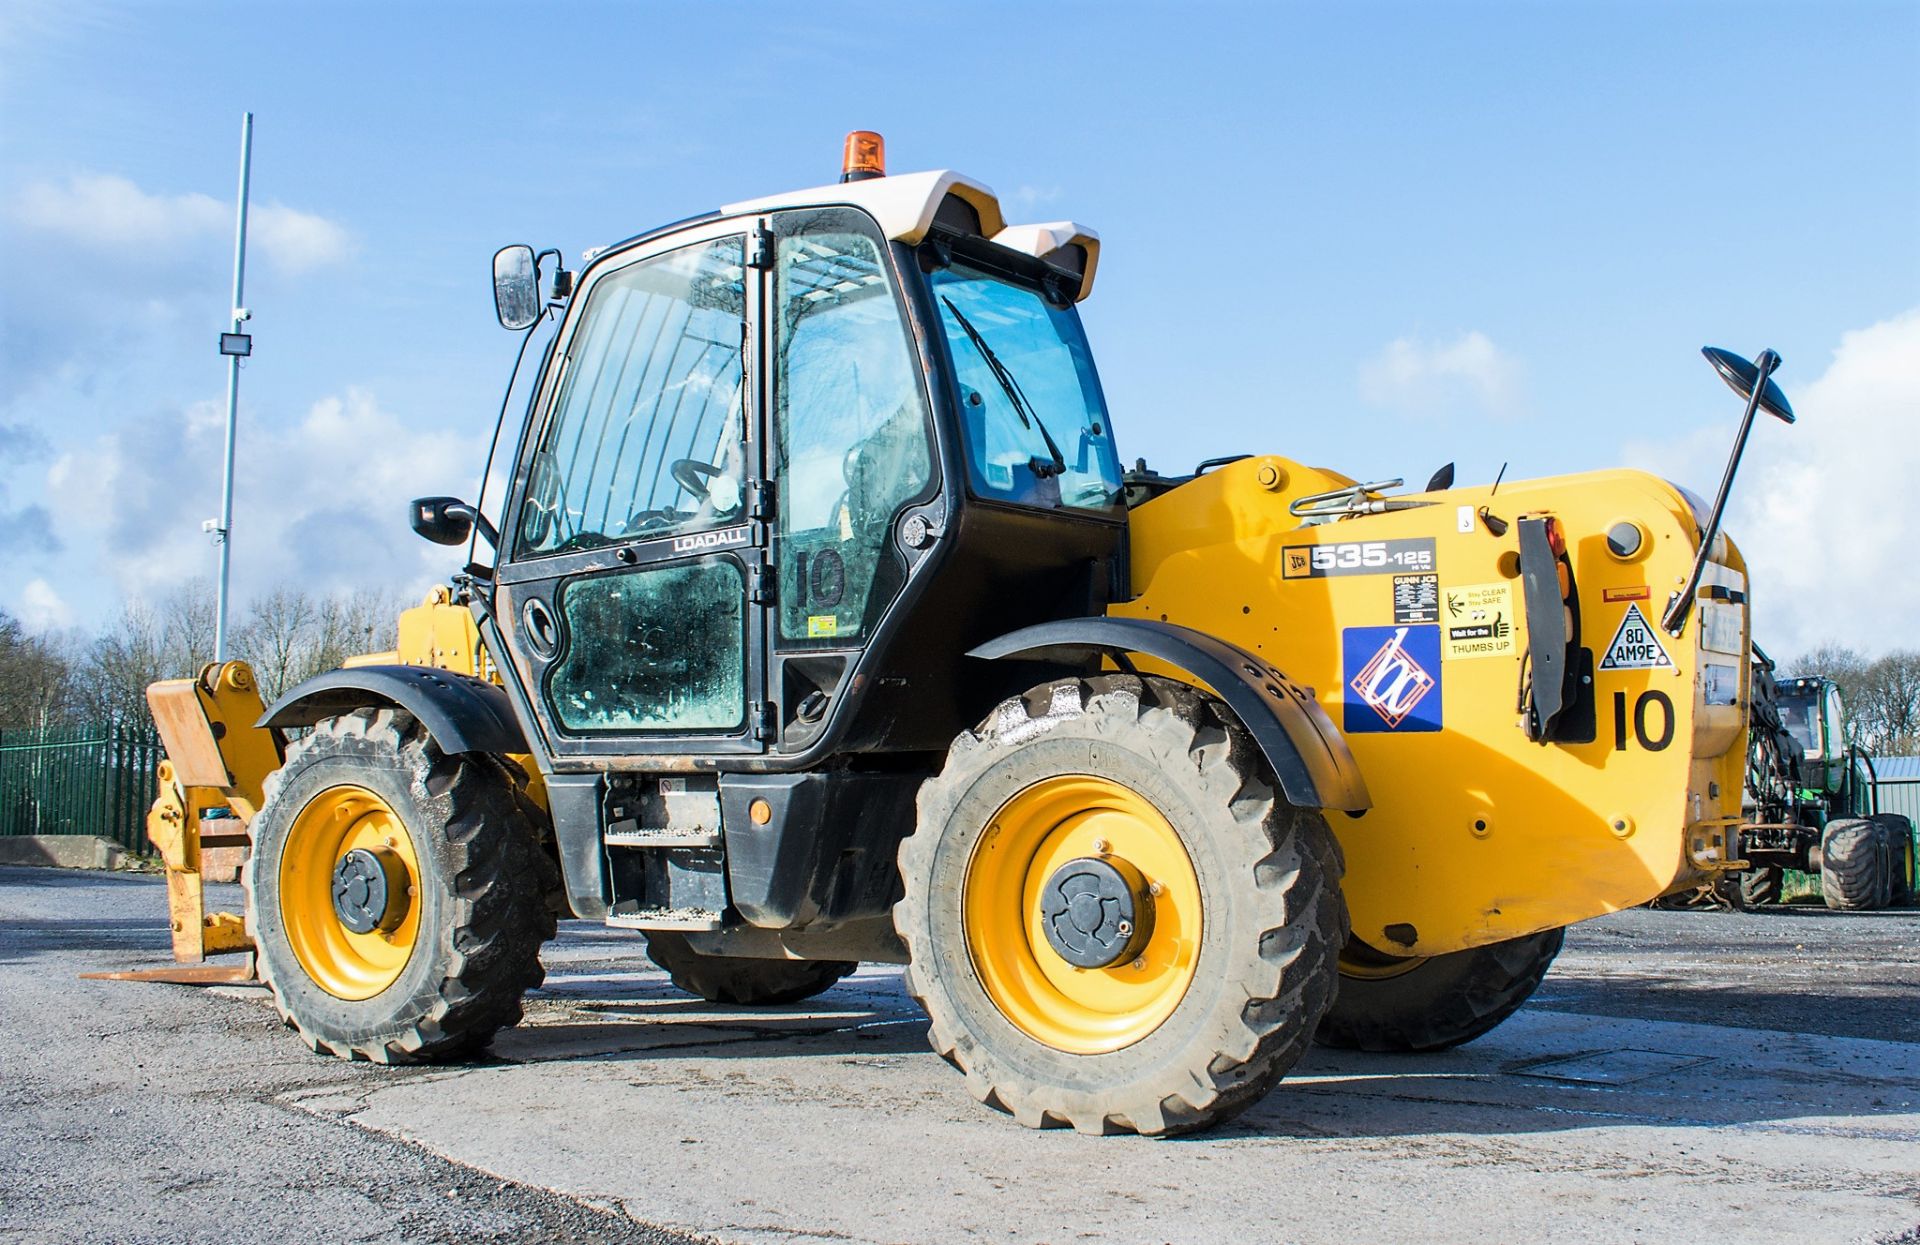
{"x":448,"y":520}
{"x":516,"y":287}
{"x":1742,"y":376}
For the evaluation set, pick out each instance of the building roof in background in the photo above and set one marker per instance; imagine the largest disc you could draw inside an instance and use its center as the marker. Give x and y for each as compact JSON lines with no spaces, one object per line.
{"x":1899,"y":769}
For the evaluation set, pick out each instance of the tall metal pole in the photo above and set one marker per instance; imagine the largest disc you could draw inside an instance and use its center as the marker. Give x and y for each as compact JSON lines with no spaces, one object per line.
{"x":225,"y":533}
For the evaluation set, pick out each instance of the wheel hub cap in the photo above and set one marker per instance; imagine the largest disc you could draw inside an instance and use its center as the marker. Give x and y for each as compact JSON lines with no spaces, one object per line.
{"x":1092,"y":914}
{"x":366,"y":895}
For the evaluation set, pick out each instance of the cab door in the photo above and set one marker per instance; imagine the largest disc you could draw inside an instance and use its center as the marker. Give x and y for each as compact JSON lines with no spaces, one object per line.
{"x":633,"y":548}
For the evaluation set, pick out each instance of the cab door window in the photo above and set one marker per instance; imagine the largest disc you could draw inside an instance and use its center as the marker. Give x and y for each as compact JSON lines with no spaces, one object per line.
{"x":661,"y":648}
{"x":850,"y":441}
{"x":647,"y":433}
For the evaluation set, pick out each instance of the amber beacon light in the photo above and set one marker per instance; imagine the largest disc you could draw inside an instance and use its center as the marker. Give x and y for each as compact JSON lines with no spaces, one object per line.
{"x":865,"y":156}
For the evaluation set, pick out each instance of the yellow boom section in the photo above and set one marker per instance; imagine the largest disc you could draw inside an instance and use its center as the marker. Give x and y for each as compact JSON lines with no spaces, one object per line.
{"x":210,"y":789}
{"x":1410,"y":627}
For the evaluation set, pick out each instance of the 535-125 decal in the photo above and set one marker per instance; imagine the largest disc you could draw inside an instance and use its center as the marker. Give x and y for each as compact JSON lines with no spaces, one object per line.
{"x":1357,"y":557}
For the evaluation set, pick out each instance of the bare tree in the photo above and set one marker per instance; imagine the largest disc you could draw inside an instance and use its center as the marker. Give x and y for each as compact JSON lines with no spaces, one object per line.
{"x":355,"y":623}
{"x":288,"y":635}
{"x":275,"y":636}
{"x":186,"y":618}
{"x":114,"y":670}
{"x":36,"y":678}
{"x":1887,"y":701}
{"x":291,"y":635}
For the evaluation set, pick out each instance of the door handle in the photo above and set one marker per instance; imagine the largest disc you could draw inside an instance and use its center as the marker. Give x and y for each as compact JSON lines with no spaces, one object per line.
{"x":542,"y":632}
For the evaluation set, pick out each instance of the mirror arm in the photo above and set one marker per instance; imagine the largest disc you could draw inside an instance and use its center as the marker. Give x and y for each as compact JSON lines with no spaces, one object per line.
{"x":481,"y":523}
{"x":1682,"y":603}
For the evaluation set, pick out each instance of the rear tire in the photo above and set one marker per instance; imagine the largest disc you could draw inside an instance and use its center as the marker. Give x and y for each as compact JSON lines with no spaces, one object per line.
{"x":739,"y":981}
{"x":1854,"y":876}
{"x":1234,"y":962}
{"x":1899,"y":832}
{"x":1410,"y":1006}
{"x":1762,"y":886}
{"x":467,"y":885}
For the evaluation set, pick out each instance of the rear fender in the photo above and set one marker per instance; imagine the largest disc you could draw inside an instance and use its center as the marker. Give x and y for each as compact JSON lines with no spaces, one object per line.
{"x":1307,"y":754}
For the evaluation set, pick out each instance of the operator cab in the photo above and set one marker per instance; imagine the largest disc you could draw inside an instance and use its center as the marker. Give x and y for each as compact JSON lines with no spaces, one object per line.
{"x":784,"y":463}
{"x":1812,"y":713}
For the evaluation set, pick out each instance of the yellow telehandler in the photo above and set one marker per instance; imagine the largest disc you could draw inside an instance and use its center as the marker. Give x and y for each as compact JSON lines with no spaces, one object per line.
{"x":819,"y":623}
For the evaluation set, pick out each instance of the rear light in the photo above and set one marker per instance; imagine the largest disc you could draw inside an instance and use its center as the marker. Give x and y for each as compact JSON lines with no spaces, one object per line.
{"x":1556,"y":539}
{"x":865,"y":156}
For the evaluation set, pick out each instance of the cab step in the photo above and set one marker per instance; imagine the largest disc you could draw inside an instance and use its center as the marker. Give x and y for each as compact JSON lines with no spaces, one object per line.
{"x":695,"y":836}
{"x":666,"y":918}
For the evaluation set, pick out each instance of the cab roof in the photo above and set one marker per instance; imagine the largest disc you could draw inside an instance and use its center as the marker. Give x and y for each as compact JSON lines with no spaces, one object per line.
{"x":905,"y":206}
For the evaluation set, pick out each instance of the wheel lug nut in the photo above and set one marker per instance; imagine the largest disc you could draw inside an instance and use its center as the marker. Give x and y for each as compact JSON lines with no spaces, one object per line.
{"x":1156,"y":889}
{"x":1125,"y":928}
{"x":1101,"y":847}
{"x":1139,"y":962}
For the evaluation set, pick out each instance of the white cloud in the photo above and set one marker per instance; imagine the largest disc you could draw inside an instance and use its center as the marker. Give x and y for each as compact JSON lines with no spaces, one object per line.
{"x":43,"y":609}
{"x":297,"y":241}
{"x":321,"y":500}
{"x":1468,"y":374}
{"x":107,"y":212}
{"x":1027,"y":198}
{"x":1824,"y":511}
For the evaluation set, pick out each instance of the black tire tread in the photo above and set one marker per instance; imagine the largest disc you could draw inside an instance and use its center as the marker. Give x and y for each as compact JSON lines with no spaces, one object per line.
{"x":739,"y":981}
{"x":501,"y":875}
{"x":1481,"y":988}
{"x":1762,"y":886}
{"x":1853,"y":865}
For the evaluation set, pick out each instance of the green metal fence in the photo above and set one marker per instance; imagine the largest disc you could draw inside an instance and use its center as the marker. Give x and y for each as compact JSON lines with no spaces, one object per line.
{"x":79,"y":780}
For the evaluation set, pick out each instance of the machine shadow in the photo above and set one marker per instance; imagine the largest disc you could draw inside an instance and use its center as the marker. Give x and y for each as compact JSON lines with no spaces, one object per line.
{"x":1490,"y":1088}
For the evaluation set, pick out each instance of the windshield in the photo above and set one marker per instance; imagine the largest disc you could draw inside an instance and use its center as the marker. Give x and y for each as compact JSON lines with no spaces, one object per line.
{"x":1798,"y":715}
{"x":1036,"y":425}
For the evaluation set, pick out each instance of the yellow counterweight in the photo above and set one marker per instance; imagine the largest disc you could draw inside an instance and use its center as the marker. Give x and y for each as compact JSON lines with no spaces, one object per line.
{"x":1410,"y":627}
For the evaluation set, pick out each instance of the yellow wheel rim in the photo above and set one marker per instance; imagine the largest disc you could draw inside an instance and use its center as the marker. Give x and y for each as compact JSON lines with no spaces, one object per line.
{"x":346,"y":964}
{"x":1085,"y":1011}
{"x":1359,"y":960}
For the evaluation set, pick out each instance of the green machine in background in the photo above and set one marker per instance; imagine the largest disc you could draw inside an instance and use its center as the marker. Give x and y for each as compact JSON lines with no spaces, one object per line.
{"x":1813,"y":820}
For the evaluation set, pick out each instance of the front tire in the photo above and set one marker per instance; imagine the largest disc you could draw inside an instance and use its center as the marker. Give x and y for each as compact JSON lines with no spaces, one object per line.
{"x":739,"y":981}
{"x":1854,"y":876}
{"x":1387,"y":1003}
{"x":397,"y":895}
{"x":1114,"y":922}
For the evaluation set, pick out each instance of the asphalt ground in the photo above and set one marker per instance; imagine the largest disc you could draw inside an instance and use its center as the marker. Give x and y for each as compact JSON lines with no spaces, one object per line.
{"x":1680,"y":1075}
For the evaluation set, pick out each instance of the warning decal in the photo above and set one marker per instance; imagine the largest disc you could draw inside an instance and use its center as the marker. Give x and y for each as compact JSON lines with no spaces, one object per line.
{"x":1392,"y":679}
{"x":1416,"y":598}
{"x":1479,"y":621}
{"x":1635,"y":646}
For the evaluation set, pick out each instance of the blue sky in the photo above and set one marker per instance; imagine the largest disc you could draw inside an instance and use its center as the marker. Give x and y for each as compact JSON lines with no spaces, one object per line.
{"x":1375,"y":237}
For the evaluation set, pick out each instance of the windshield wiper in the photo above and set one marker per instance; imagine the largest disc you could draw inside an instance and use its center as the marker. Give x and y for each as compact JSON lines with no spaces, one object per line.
{"x":1029,"y":418}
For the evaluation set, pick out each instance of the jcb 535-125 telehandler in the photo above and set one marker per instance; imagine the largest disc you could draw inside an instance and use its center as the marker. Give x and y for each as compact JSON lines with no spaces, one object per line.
{"x":819,"y":623}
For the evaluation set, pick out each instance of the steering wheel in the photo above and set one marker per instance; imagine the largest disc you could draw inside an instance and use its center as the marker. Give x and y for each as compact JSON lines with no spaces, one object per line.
{"x":692,"y":475}
{"x":642,"y":521}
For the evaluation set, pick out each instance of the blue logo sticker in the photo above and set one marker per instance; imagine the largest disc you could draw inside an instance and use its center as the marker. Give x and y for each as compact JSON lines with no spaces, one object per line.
{"x":1392,"y":679}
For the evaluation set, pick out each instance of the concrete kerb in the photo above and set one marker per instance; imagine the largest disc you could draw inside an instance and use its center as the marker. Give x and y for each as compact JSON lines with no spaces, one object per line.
{"x":64,"y":851}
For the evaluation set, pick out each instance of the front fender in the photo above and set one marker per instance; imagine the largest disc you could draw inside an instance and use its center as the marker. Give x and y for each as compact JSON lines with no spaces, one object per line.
{"x":1307,"y":753}
{"x":462,"y":713}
